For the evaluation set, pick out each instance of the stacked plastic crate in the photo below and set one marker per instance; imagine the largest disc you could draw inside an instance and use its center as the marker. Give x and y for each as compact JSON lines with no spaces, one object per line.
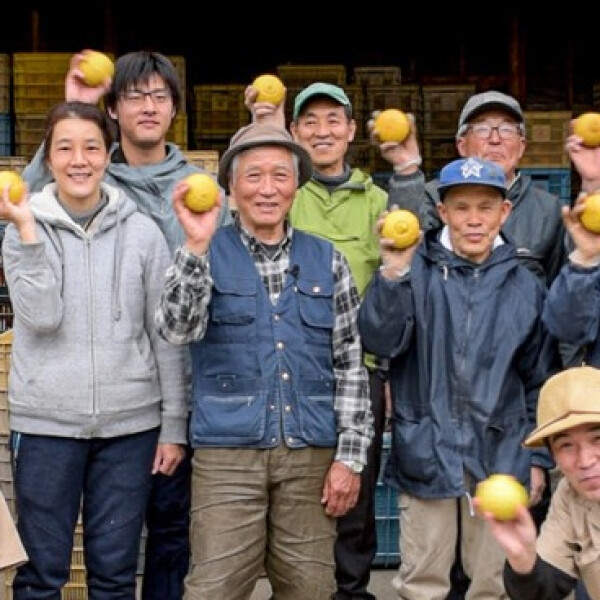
{"x":219,"y":111}
{"x":441,"y":108}
{"x":5,"y":110}
{"x":545,"y":158}
{"x":178,"y":132}
{"x":297,"y":77}
{"x":38,"y":84}
{"x":387,"y":515}
{"x":380,"y":89}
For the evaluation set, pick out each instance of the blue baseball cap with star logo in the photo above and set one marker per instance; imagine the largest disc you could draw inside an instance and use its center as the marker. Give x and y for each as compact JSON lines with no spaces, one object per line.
{"x":471,"y":171}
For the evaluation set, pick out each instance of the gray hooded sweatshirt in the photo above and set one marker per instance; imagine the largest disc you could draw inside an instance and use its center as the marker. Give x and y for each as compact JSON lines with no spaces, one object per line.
{"x":86,"y":359}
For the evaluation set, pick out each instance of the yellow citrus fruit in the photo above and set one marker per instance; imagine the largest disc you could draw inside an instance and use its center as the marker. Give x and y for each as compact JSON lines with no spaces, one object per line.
{"x":203,"y":193}
{"x":96,"y":67}
{"x":590,"y":217}
{"x":402,"y":226}
{"x":270,"y":89}
{"x":501,"y":495}
{"x":587,"y":127}
{"x":16,"y":185}
{"x":392,"y":125}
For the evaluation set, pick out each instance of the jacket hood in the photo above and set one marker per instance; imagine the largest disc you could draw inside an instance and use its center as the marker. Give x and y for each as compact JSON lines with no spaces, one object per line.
{"x":173,"y":162}
{"x":47,"y":209}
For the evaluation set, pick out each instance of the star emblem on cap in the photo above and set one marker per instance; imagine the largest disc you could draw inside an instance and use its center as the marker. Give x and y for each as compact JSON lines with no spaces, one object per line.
{"x":471,"y":168}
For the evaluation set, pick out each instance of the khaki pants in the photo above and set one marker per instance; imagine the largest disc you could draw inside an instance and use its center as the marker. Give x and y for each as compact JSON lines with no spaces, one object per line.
{"x":428,"y":540}
{"x":256,"y":511}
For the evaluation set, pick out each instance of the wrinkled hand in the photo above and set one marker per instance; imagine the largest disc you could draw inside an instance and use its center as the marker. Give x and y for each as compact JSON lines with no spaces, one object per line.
{"x":587,"y":243}
{"x":396,"y":153}
{"x":167,"y":458}
{"x":264,"y":112}
{"x":199,"y":227}
{"x":20,"y":214}
{"x":76,"y":88}
{"x":340,"y":491}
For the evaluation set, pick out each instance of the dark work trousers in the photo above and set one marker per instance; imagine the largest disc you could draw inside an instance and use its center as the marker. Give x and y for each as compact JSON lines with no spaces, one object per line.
{"x":167,"y":553}
{"x":356,"y":543}
{"x":109,"y":478}
{"x":460,"y":582}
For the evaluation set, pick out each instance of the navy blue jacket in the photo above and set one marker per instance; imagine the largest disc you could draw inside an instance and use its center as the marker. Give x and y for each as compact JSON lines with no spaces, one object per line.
{"x":260,"y":369}
{"x":572,"y":310}
{"x":469,"y":354}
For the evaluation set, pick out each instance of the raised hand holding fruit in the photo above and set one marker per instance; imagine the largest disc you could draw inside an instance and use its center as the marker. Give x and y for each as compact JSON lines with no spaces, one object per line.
{"x":203,"y":192}
{"x":17,"y":187}
{"x":587,"y":127}
{"x":402,"y":226}
{"x":590,"y":216}
{"x":96,"y":67}
{"x":270,"y":88}
{"x":391,"y":125}
{"x":501,"y":495}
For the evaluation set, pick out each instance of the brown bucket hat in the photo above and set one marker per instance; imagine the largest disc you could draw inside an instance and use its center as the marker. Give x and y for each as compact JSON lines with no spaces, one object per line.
{"x":263,"y":134}
{"x":568,"y":399}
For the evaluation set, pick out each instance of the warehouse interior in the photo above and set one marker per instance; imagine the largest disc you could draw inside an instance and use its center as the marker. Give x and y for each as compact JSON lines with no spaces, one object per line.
{"x":413,"y":57}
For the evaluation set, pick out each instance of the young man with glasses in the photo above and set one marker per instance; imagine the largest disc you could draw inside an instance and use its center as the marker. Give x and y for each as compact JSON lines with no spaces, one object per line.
{"x":142,"y":100}
{"x":491,"y":126}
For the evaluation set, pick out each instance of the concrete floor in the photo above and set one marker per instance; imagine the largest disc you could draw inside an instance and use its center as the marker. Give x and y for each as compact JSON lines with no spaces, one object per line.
{"x":380,"y":587}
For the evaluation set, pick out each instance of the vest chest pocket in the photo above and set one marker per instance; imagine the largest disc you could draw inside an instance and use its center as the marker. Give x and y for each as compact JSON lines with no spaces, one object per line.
{"x":315,"y":302}
{"x":233,"y":304}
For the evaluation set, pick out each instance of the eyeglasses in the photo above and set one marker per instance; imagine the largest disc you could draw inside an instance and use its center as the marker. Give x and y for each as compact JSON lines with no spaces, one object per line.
{"x":506,"y":131}
{"x":138,"y":97}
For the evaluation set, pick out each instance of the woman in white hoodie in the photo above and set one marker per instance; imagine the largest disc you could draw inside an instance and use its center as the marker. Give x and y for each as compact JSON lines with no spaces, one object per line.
{"x":92,"y":387}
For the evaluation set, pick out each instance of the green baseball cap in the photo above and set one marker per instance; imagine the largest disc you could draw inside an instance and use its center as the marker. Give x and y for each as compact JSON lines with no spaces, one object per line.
{"x":320,"y":89}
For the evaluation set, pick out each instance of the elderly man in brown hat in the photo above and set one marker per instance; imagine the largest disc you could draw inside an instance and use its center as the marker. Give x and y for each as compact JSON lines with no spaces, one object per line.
{"x":568,"y":547}
{"x":280,"y":394}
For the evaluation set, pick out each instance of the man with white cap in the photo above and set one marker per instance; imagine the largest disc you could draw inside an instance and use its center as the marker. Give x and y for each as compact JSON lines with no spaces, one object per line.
{"x":459,"y":319}
{"x":280,"y":395}
{"x":568,"y":547}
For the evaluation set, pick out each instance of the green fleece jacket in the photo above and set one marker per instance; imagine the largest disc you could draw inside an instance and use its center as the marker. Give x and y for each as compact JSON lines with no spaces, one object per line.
{"x":347,"y":217}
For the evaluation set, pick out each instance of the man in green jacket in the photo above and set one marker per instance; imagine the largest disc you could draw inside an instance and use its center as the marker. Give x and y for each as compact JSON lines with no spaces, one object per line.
{"x":341,"y":204}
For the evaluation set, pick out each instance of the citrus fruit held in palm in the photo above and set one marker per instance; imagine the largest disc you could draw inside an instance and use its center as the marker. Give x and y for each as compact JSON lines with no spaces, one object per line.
{"x":392,"y":125}
{"x":402,"y":226}
{"x":501,"y":495}
{"x":587,"y":127}
{"x":96,"y":67}
{"x":16,"y":185}
{"x":203,"y":192}
{"x":270,"y":88}
{"x":590,"y":217}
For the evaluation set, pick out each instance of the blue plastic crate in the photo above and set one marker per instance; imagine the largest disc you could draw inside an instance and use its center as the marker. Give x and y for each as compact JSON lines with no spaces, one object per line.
{"x":5,"y":134}
{"x":387,"y":516}
{"x":555,"y":181}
